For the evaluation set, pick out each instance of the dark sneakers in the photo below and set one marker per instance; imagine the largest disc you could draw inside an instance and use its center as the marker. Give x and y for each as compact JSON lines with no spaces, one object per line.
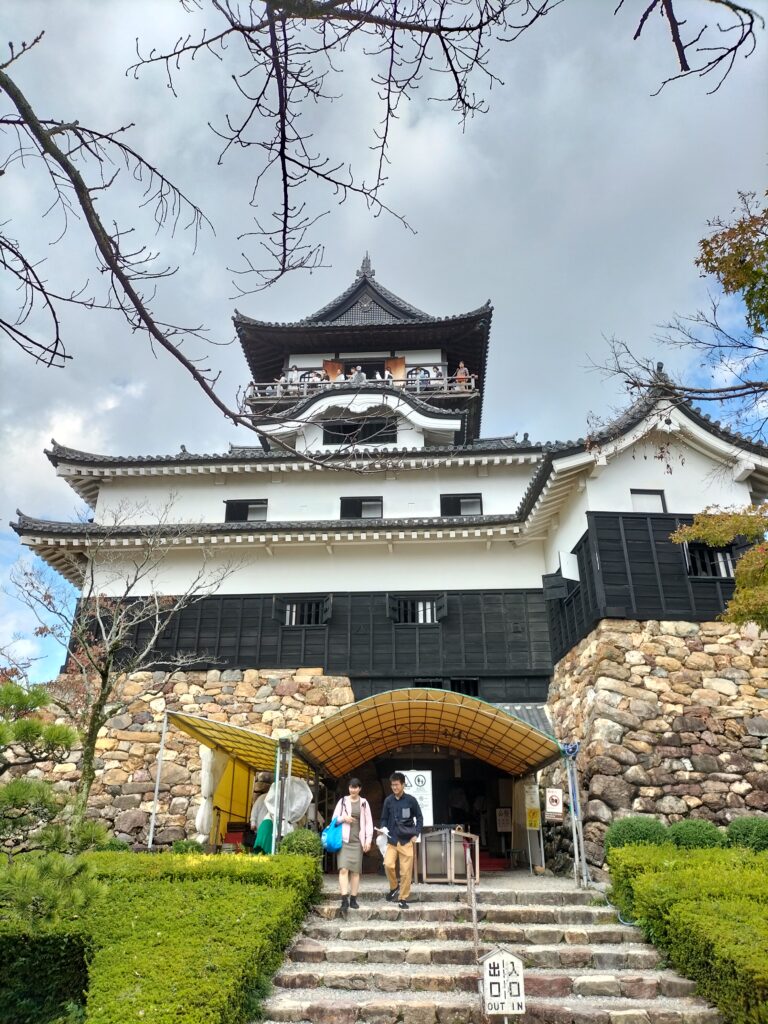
{"x":392,"y":895}
{"x":404,"y":905}
{"x":344,"y":904}
{"x":353,"y":903}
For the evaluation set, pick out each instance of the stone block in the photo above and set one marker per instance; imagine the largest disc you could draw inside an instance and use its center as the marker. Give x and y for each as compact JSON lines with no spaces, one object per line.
{"x":597,"y":985}
{"x":611,"y":790}
{"x":671,"y":805}
{"x":757,"y":726}
{"x":131,"y":821}
{"x":596,"y":810}
{"x":637,"y":776}
{"x":604,"y":729}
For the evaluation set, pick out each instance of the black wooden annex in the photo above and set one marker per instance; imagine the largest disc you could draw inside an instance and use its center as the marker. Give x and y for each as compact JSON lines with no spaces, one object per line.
{"x":630,"y":569}
{"x":493,"y":644}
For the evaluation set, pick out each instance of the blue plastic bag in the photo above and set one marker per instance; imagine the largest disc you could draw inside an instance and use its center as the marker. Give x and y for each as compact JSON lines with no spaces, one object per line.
{"x":331,"y":836}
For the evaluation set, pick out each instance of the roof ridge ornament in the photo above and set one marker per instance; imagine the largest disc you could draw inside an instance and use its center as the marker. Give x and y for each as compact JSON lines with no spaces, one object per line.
{"x":366,"y":270}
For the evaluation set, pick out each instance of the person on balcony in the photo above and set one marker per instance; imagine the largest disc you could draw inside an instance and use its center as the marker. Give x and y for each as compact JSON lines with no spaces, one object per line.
{"x":437,"y":379}
{"x":465,"y":380}
{"x":358,"y":377}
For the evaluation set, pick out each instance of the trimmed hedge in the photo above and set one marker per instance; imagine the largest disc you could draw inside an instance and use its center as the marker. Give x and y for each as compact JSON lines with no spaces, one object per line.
{"x":749,"y":831}
{"x":723,"y":946}
{"x":685,"y":902}
{"x":191,"y":938}
{"x":301,"y":874}
{"x":633,"y":831}
{"x":200,"y":952}
{"x":41,"y":972}
{"x":696,"y":834}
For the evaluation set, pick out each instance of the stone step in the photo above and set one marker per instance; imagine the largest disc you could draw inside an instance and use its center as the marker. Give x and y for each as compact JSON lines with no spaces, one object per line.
{"x":394,"y":977}
{"x":459,"y":912}
{"x":332,"y":1007}
{"x":604,"y":956}
{"x":406,"y":927}
{"x":499,"y":897}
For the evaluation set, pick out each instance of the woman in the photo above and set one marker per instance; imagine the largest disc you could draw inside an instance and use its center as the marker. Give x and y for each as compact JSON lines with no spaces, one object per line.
{"x":354,"y":813}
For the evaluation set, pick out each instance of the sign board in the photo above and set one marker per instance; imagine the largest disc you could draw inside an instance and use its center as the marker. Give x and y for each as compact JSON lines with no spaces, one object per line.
{"x":532,"y":808}
{"x":503,"y":819}
{"x":503,"y":986}
{"x":553,"y":811}
{"x":419,"y":784}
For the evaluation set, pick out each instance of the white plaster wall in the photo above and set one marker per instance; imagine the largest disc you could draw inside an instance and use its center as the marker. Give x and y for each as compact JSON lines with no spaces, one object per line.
{"x":309,"y":495}
{"x":305,"y":568}
{"x":572,"y":523}
{"x":690,"y":480}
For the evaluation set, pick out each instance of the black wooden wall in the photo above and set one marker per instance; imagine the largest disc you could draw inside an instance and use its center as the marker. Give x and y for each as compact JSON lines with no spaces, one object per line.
{"x":497,"y":640}
{"x":630,"y":569}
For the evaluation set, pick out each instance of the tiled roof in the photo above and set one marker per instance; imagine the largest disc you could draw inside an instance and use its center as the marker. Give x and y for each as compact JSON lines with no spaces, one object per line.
{"x":29,"y":524}
{"x":531,"y":714}
{"x":370,"y":388}
{"x":240,"y":453}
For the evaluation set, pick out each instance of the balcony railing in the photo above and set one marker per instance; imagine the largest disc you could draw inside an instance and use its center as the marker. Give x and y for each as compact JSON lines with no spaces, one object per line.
{"x":261,"y":392}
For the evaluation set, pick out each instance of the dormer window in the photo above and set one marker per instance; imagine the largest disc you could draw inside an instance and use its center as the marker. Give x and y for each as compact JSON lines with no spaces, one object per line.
{"x":254,"y":511}
{"x":362,"y":508}
{"x":371,"y":431}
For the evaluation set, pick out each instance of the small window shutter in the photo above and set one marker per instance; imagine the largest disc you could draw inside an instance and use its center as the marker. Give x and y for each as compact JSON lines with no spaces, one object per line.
{"x":555,"y":587}
{"x":392,"y":607}
{"x":441,"y":606}
{"x":327,"y":607}
{"x":278,"y":608}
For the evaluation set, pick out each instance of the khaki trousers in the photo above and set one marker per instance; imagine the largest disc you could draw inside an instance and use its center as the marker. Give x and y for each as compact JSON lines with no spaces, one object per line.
{"x":401,"y":855}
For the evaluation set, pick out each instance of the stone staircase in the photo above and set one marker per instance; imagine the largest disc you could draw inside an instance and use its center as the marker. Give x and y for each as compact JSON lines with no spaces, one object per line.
{"x":381,"y":965}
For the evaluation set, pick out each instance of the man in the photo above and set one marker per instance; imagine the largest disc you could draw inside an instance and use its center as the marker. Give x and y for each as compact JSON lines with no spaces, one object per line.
{"x":358,"y":377}
{"x":402,"y":818}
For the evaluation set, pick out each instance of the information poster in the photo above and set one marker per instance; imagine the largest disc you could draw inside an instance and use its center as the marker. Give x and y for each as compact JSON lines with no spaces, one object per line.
{"x":419,"y":784}
{"x":532,"y":808}
{"x":503,"y":819}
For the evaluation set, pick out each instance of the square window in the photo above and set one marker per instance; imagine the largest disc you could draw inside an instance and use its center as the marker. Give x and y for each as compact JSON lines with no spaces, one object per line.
{"x":362,"y":508}
{"x":648,"y":501}
{"x":710,"y":562}
{"x":461,"y":504}
{"x":254,"y":511}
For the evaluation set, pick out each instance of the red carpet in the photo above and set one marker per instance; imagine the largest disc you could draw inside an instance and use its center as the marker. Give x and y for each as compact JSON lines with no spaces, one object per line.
{"x":491,"y":863}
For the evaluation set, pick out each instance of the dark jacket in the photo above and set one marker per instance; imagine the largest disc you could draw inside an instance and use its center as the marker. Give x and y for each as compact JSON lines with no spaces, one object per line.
{"x":405,"y":810}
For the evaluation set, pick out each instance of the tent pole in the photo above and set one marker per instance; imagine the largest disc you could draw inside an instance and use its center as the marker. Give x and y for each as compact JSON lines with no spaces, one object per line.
{"x":284,"y":759}
{"x":160,"y":752}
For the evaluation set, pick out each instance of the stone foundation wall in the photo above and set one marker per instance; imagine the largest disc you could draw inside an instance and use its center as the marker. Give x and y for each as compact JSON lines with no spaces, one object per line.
{"x":672,"y":718}
{"x":274,"y":703}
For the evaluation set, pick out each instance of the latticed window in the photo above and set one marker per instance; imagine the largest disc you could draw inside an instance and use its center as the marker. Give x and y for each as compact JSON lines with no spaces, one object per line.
{"x":417,"y":609}
{"x":302,"y":611}
{"x":713,"y":562}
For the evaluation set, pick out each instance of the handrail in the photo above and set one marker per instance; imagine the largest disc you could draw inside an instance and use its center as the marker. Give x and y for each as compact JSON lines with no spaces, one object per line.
{"x":302,"y":388}
{"x":467,"y":841}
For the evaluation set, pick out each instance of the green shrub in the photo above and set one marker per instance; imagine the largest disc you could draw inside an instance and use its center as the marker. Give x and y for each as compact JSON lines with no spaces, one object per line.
{"x":723,"y":946}
{"x":186,"y":846}
{"x":303,"y":874}
{"x":79,"y":837}
{"x":749,"y":831}
{"x":634,"y":831}
{"x":47,"y":889}
{"x":198,"y":952}
{"x":695,"y":834}
{"x":302,"y":841}
{"x":31,"y":993}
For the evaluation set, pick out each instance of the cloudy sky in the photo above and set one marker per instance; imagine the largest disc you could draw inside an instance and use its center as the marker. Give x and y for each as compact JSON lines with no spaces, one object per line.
{"x":575,"y":205}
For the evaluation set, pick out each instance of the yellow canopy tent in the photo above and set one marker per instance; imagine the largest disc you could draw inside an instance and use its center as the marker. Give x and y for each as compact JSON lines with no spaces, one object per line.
{"x":238,"y":754}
